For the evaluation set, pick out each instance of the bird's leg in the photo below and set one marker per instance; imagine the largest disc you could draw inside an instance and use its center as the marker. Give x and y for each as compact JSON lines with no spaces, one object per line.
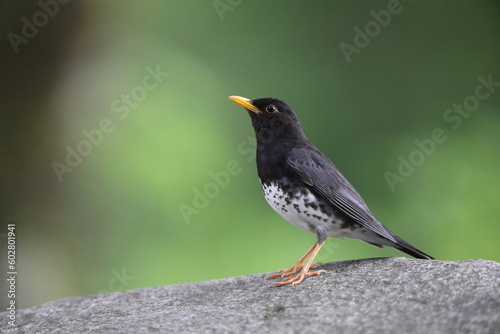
{"x":305,"y":270}
{"x":297,"y":266}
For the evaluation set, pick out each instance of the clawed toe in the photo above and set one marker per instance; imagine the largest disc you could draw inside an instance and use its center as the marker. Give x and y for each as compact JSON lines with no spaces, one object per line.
{"x":304,"y":270}
{"x":298,"y":278}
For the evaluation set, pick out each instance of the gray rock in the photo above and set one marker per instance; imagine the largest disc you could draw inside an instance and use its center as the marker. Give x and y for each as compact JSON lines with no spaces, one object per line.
{"x":391,"y":295}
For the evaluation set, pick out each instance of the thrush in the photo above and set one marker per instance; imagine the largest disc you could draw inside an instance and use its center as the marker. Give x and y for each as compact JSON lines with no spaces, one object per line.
{"x":303,"y":186}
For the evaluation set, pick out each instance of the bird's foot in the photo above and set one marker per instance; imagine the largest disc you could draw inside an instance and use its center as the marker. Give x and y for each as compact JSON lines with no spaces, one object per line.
{"x":298,"y":278}
{"x":297,"y":266}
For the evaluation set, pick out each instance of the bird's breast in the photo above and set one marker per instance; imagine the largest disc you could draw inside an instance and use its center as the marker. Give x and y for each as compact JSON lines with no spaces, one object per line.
{"x":301,"y":207}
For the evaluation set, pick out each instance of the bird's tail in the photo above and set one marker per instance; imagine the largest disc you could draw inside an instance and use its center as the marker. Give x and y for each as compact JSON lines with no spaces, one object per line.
{"x":409,"y":249}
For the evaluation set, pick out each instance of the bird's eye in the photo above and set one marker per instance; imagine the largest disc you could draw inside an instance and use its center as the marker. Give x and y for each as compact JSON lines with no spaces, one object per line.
{"x":271,"y":109}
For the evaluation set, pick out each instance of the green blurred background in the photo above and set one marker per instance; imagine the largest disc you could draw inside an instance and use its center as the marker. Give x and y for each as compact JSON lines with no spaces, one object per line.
{"x":115,"y":221}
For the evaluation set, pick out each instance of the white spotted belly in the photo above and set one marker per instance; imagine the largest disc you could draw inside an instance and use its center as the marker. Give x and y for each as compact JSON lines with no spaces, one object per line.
{"x":302,"y":210}
{"x":305,"y":210}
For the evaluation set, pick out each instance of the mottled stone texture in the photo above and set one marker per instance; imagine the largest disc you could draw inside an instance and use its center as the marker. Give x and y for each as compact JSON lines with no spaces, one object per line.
{"x":391,"y":295}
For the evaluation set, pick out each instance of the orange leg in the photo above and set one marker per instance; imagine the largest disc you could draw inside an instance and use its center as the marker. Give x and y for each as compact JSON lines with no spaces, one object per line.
{"x":313,"y":251}
{"x":297,"y":266}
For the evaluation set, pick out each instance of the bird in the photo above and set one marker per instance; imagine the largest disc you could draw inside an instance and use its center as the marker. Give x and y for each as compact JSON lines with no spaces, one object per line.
{"x":304,"y":187}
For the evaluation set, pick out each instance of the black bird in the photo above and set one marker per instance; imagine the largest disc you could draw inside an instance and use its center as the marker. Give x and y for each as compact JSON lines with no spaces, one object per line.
{"x":304,"y":187}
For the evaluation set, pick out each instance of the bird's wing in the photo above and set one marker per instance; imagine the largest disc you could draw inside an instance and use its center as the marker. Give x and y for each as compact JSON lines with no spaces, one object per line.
{"x":317,"y":171}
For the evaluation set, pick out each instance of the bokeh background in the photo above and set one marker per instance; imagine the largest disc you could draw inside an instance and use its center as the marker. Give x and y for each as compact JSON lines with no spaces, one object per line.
{"x":129,"y":213}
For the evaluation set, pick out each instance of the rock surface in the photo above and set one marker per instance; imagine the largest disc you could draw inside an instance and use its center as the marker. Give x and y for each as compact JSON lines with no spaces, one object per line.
{"x":390,"y":295}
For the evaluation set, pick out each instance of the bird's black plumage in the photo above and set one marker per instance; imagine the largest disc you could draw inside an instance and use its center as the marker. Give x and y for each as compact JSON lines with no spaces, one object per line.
{"x":314,"y":190}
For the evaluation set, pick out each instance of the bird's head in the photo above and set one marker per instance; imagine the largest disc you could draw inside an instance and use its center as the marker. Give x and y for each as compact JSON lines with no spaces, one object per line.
{"x":272,"y":119}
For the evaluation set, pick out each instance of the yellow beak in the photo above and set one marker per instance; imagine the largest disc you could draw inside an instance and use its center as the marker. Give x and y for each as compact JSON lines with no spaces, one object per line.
{"x":245,"y":103}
